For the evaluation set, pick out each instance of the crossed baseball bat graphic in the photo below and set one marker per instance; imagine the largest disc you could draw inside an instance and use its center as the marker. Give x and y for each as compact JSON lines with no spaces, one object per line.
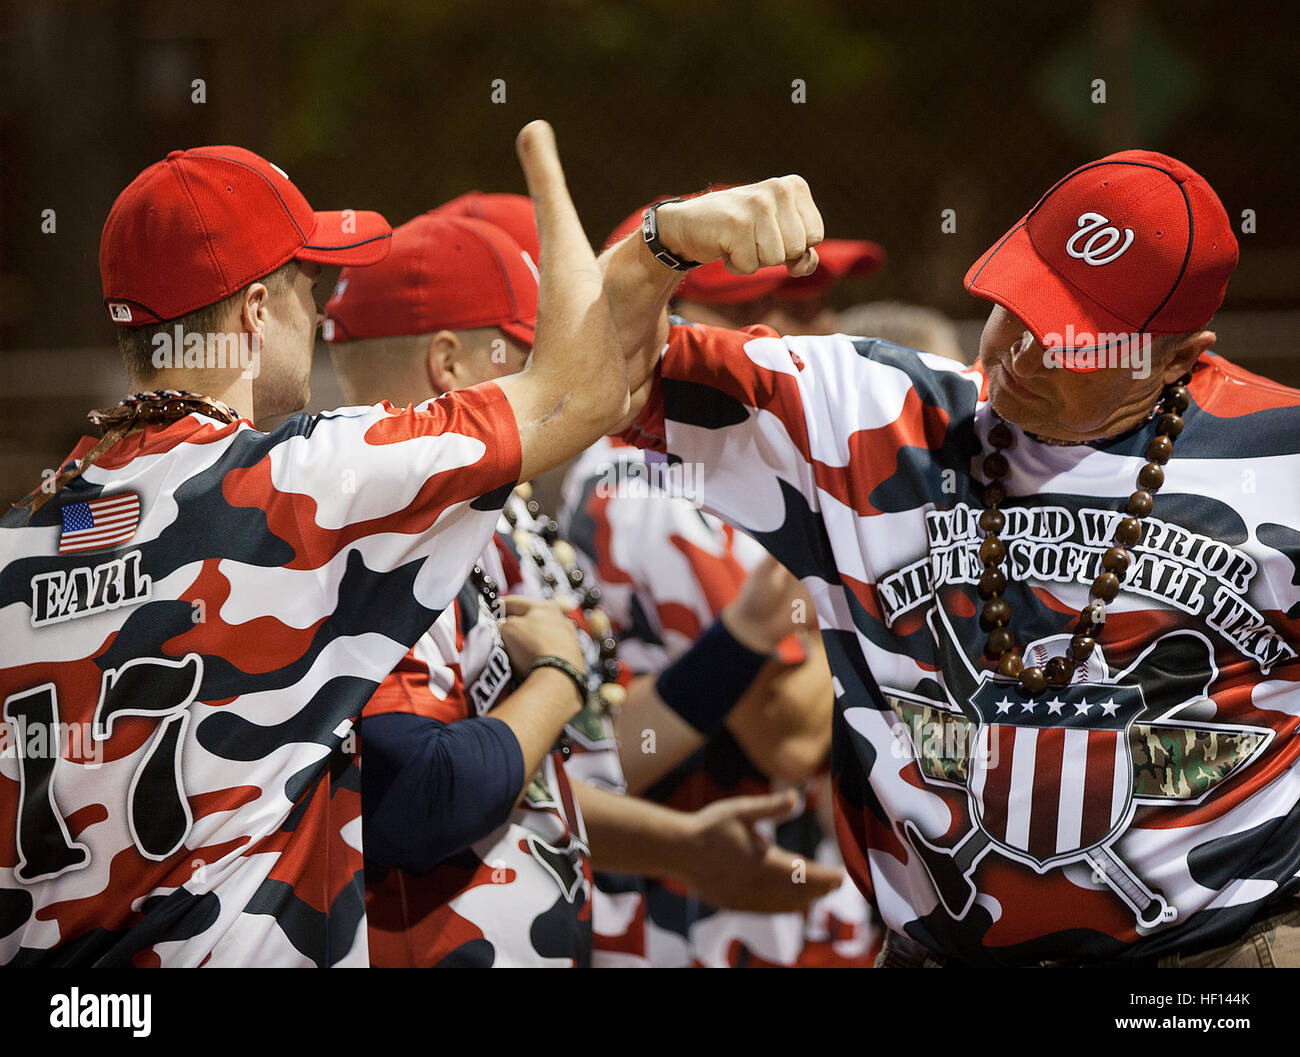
{"x":950,"y":869}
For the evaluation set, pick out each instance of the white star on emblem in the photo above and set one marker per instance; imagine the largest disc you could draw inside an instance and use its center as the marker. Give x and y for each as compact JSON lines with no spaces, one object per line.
{"x":1109,"y":707}
{"x":1004,"y":705}
{"x":1055,"y":705}
{"x":1081,"y":709}
{"x":1028,"y":706}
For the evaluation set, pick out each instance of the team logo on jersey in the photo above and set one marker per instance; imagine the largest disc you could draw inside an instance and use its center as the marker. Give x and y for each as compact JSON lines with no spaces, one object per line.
{"x":1103,"y":244}
{"x":494,"y":678}
{"x":1054,"y":778}
{"x":64,"y":595}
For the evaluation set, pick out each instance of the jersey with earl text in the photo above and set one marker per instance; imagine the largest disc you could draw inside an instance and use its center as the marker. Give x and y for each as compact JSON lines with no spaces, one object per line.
{"x":188,"y":633}
{"x":1149,"y":806}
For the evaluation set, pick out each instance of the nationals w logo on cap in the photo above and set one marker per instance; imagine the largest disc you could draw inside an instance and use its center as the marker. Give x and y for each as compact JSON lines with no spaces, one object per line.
{"x":1135,"y":243}
{"x":1100,"y":247}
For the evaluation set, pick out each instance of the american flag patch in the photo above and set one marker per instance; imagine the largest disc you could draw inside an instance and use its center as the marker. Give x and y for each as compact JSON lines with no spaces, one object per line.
{"x":99,"y":522}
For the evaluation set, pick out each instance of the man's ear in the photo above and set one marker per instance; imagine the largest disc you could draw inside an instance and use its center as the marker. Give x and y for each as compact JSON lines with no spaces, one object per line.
{"x":254,"y":310}
{"x":444,"y":361}
{"x":1187,"y":353}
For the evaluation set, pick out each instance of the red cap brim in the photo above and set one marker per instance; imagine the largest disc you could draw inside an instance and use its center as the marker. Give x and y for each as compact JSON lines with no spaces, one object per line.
{"x":520,"y":331}
{"x":1013,"y":274}
{"x":348,"y":237}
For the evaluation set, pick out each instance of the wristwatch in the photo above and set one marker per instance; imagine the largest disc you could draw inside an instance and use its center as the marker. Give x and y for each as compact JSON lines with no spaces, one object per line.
{"x":650,"y":232}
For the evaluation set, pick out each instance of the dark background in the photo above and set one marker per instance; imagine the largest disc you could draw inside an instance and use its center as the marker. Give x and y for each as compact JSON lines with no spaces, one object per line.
{"x":912,"y":108}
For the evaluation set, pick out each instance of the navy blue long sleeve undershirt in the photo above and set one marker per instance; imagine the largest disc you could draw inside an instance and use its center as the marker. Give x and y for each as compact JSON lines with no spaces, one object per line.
{"x":431,"y":789}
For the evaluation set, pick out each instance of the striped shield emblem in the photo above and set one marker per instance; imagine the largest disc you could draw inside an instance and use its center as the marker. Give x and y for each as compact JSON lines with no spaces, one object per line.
{"x":1052,"y":774}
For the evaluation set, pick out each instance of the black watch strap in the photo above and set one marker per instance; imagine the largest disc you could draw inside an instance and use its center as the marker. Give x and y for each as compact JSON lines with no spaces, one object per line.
{"x":568,"y":668}
{"x":650,"y":233}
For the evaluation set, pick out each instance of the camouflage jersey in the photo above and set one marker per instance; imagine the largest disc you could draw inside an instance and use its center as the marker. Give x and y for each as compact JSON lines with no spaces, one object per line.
{"x":1151,"y":806}
{"x":188,"y":632}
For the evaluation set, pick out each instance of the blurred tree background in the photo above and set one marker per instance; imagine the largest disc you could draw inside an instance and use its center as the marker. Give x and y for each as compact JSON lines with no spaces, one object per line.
{"x":909,"y":110}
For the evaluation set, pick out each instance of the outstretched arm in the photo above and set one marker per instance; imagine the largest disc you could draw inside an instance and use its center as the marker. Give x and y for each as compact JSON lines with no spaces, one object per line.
{"x":574,"y":387}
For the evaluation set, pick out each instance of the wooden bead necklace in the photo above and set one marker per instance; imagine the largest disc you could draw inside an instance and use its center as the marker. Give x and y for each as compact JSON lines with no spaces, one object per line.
{"x":995,"y":618}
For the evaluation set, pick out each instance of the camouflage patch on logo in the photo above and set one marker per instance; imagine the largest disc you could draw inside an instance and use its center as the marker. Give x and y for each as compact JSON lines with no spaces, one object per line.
{"x":1185,"y":763}
{"x":537,"y":794}
{"x":942,"y":739}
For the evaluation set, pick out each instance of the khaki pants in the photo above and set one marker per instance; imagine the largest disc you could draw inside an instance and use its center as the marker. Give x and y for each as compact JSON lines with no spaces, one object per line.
{"x":1273,"y":943}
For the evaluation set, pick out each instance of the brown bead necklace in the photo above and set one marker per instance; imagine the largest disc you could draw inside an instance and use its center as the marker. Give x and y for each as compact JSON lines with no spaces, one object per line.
{"x":160,"y":407}
{"x":995,"y":617}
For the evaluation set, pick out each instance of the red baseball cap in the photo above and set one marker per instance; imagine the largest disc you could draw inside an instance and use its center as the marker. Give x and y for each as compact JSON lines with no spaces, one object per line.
{"x":712,"y":284}
{"x":445,"y":273}
{"x":1136,"y":243}
{"x":203,"y":223}
{"x":512,"y":213}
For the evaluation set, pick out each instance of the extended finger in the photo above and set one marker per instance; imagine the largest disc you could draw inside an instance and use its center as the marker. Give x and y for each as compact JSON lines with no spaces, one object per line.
{"x":751,"y":809}
{"x":816,"y":878}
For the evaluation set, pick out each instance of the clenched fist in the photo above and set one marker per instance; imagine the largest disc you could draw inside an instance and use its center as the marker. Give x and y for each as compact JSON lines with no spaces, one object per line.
{"x":749,"y":227}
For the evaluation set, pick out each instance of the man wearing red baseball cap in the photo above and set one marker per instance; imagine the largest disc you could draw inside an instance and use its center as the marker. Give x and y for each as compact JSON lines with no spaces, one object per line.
{"x":1057,"y":588}
{"x":716,"y":296}
{"x":195,"y":612}
{"x":447,"y":735}
{"x":457,"y":307}
{"x":512,"y":213}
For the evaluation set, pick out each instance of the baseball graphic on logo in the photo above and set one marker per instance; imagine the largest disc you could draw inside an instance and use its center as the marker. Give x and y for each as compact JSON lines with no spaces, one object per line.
{"x":1093,"y":670}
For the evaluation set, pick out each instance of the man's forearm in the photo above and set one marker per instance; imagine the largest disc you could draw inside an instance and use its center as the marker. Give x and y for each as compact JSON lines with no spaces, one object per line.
{"x":652,"y":738}
{"x":536,"y":713}
{"x":638,"y":289}
{"x":631,"y":835}
{"x":574,"y":386}
{"x":783,"y":723}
